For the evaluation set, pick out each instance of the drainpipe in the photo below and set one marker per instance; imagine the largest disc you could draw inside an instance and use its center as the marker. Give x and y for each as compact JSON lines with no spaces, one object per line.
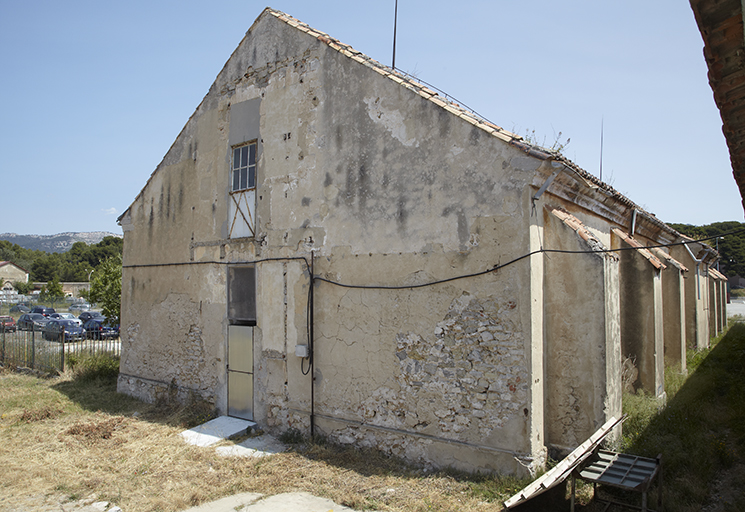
{"x":558,"y":168}
{"x":633,"y":222}
{"x":310,"y":348}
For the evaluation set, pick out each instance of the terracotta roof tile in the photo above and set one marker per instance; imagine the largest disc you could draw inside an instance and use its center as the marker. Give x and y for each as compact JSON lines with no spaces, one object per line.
{"x":662,"y":255}
{"x":581,"y":230}
{"x":716,"y":274}
{"x":640,"y":248}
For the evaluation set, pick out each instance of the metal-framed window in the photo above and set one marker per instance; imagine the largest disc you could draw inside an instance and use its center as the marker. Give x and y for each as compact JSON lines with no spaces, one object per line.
{"x":243,"y":168}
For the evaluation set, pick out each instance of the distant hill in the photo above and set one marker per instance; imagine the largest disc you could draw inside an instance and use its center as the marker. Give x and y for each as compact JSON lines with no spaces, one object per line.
{"x":60,"y":242}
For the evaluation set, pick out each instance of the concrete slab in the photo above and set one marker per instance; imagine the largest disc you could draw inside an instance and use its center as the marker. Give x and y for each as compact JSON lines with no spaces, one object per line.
{"x":287,"y":502}
{"x":216,"y":430}
{"x":736,"y":307}
{"x":259,"y":446}
{"x":229,"y":504}
{"x":295,"y":502}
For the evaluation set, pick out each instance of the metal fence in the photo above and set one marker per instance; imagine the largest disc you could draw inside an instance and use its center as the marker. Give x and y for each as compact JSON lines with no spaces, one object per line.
{"x":30,"y":349}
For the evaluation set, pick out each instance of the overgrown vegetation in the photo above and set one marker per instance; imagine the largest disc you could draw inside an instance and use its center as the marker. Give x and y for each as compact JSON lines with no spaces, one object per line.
{"x":701,"y":431}
{"x":557,"y":145}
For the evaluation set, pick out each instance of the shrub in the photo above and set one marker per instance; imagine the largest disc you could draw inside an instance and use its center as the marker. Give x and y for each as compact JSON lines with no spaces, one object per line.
{"x":99,"y":366}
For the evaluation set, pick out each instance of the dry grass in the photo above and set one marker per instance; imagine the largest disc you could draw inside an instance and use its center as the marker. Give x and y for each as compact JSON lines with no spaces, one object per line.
{"x":61,"y":439}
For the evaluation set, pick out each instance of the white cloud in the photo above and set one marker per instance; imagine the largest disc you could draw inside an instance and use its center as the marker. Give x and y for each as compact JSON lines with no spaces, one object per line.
{"x":110,"y":211}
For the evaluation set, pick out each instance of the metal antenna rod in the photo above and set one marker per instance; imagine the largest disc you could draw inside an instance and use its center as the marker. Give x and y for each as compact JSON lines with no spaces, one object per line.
{"x":395,"y":22}
{"x":601,"y":149}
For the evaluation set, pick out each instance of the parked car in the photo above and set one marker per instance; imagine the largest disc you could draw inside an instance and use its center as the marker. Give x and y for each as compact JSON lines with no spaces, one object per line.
{"x":87,"y":315}
{"x":96,"y":329}
{"x":20,"y":308}
{"x":7,"y":324}
{"x":32,"y":322}
{"x":64,"y":316}
{"x":82,"y":306}
{"x":56,"y":329}
{"x":42,"y":310}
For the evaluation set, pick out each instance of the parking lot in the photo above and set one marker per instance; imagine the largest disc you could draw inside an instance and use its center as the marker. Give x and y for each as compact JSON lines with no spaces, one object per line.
{"x":47,"y":342}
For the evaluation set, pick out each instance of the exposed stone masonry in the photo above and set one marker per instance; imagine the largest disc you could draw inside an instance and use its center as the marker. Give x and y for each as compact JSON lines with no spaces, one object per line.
{"x":465,"y":383}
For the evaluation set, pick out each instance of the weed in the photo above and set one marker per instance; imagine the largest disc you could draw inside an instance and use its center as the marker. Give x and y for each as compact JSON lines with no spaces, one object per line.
{"x":43,"y":413}
{"x":291,"y":436}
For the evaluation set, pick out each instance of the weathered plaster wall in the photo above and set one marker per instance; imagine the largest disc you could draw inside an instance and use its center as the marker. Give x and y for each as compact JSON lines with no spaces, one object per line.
{"x":641,"y":321}
{"x":388,"y":189}
{"x":696,"y":299}
{"x":717,"y":302}
{"x":582,"y":337}
{"x":723,"y":301}
{"x":172,"y":341}
{"x":673,"y":304}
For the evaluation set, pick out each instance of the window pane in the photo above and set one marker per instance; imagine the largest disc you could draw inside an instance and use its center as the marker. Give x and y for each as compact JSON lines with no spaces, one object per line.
{"x":244,"y":178}
{"x":236,"y":158}
{"x":236,"y":180}
{"x":251,"y":177}
{"x":244,"y":156}
{"x":252,"y":159}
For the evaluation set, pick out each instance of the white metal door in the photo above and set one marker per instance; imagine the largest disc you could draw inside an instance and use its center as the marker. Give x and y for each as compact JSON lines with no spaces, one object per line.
{"x":240,"y":372}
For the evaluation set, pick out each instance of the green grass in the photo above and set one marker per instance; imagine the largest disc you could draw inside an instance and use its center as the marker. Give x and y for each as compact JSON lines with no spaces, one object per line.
{"x":701,"y":431}
{"x":99,"y":366}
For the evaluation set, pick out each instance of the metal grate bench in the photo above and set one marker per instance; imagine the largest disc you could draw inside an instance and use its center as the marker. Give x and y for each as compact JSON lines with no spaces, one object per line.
{"x":627,"y":472}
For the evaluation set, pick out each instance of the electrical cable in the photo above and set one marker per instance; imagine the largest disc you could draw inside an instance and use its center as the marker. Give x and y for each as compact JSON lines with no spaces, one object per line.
{"x":212,"y":262}
{"x":511,"y":262}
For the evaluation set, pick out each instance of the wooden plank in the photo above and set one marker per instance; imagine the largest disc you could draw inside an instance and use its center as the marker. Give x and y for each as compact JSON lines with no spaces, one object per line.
{"x":563,"y":469}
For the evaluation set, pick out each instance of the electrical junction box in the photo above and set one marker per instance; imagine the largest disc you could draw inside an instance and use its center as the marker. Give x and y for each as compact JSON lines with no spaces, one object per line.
{"x":301,"y":350}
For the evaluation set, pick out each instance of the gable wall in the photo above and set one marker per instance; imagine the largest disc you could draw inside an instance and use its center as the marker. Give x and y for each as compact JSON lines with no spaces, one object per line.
{"x":12,"y":273}
{"x":387,"y":189}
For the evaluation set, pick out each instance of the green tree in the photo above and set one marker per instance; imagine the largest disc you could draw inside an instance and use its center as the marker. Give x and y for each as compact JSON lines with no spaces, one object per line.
{"x":23,"y":288}
{"x":106,"y":288}
{"x":74,"y":265}
{"x":728,"y":237}
{"x":52,"y":292}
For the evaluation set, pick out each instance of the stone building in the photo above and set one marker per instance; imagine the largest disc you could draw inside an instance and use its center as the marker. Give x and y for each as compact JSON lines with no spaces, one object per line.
{"x":331,"y":246}
{"x":12,"y":273}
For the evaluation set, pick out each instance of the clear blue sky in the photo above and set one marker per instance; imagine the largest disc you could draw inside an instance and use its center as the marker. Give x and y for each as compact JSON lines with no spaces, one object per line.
{"x":94,"y":92}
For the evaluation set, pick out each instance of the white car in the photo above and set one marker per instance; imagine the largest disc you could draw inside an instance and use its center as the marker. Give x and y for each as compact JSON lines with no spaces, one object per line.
{"x":65,"y":316}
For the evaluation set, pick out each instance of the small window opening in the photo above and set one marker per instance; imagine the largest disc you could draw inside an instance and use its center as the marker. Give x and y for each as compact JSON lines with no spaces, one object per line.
{"x":244,"y":167}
